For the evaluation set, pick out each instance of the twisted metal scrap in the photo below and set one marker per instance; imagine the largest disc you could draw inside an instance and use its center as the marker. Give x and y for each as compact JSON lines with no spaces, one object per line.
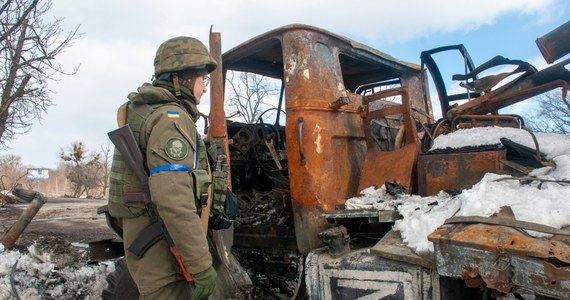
{"x":529,"y":179}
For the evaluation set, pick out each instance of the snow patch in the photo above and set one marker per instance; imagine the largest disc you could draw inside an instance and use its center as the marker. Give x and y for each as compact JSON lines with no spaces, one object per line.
{"x":538,"y":201}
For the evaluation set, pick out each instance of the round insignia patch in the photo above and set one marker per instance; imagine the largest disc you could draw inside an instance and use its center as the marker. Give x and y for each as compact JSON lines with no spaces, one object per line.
{"x":176,"y":148}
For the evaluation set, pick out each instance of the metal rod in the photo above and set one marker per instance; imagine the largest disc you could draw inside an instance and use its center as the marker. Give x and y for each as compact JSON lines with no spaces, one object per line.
{"x":555,"y":44}
{"x":16,"y":230}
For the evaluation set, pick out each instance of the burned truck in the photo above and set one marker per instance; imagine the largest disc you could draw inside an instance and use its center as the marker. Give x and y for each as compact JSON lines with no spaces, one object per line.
{"x":355,"y":117}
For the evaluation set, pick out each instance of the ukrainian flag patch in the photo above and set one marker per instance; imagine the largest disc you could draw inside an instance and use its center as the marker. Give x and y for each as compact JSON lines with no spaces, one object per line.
{"x":173,"y":114}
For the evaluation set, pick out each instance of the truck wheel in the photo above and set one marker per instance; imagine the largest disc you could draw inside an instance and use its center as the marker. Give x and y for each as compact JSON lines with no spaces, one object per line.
{"x":120,"y":284}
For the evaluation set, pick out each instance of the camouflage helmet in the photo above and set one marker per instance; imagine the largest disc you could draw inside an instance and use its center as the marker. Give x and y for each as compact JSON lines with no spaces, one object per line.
{"x":183,"y":53}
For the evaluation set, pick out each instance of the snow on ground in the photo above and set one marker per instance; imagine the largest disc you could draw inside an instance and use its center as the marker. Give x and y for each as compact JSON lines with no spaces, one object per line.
{"x":547,"y":205}
{"x":25,"y":276}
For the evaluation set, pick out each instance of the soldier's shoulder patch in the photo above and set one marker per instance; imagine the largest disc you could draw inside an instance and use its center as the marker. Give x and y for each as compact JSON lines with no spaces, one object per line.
{"x":176,"y":148}
{"x":173,"y":114}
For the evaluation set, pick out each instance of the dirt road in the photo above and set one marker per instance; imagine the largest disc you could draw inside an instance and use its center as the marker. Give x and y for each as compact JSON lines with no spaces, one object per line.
{"x":75,"y":220}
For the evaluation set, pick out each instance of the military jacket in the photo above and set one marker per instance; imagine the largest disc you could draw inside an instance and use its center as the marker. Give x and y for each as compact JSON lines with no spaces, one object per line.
{"x":168,"y":136}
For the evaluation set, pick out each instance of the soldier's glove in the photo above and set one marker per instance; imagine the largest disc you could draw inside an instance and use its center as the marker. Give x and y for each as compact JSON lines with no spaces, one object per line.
{"x":204,"y":283}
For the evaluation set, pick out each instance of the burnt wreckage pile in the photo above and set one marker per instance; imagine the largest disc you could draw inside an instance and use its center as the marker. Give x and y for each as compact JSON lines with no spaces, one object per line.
{"x":259,"y":174}
{"x":260,"y":180}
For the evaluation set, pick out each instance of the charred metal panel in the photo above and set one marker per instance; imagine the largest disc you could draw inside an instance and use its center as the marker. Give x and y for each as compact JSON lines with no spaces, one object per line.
{"x":419,"y":95}
{"x":453,"y":172}
{"x":362,"y":215}
{"x":542,"y":277}
{"x":503,"y":258}
{"x":262,"y":55}
{"x":361,"y":274}
{"x":325,"y":146}
{"x":474,"y":266}
{"x":263,"y":236}
{"x":506,"y":273}
{"x":392,"y":247}
{"x":503,"y":239}
{"x":384,"y":153}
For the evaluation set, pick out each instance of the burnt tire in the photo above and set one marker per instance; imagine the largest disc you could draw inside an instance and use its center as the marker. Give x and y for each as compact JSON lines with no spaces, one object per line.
{"x":120,"y":284}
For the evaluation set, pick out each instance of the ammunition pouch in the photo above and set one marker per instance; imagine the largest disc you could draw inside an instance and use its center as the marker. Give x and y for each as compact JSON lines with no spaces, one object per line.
{"x":201,"y":188}
{"x":225,"y":204}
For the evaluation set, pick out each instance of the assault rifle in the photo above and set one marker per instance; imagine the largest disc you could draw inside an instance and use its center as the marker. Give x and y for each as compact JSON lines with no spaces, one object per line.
{"x":124,"y":140}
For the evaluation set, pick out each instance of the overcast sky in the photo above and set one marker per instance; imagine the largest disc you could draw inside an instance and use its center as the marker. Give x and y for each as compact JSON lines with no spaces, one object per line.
{"x":120,"y":38}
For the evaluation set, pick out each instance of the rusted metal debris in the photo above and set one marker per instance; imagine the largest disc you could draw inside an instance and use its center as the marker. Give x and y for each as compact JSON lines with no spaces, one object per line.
{"x":453,"y":172}
{"x":484,"y":95}
{"x":555,"y":45}
{"x":400,"y":146}
{"x":337,"y":240}
{"x":504,"y":258}
{"x":18,"y":195}
{"x":17,"y":228}
{"x":261,"y":210}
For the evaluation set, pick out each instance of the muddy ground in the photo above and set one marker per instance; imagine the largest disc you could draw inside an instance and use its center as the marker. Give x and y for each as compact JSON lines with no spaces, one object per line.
{"x":50,"y":259}
{"x":75,"y":220}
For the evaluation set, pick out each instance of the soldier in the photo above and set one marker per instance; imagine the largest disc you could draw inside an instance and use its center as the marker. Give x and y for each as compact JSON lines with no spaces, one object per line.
{"x":162,"y":116}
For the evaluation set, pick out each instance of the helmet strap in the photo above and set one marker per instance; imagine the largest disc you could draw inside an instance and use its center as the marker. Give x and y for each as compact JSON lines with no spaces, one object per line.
{"x":191,"y":84}
{"x":176,"y":84}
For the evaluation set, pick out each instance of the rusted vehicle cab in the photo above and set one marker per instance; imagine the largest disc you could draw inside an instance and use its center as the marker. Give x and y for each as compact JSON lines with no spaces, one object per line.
{"x":323,"y":76}
{"x":329,"y":85}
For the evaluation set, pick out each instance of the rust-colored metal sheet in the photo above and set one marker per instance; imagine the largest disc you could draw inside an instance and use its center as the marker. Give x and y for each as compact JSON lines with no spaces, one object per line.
{"x":502,"y":239}
{"x":453,"y":172}
{"x":391,"y":164}
{"x":325,"y":145}
{"x":503,"y":258}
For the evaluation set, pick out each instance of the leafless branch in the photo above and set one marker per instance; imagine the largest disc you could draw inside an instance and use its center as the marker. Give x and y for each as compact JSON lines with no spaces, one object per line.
{"x":552,"y":114}
{"x":29,"y":45}
{"x":248,"y":94}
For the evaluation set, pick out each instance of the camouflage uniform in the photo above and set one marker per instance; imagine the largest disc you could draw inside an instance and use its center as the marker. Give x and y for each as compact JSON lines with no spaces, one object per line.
{"x":162,"y":116}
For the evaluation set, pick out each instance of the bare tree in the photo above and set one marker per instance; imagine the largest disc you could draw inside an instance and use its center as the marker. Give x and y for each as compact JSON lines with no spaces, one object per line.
{"x":82,"y":169}
{"x":552,"y":115}
{"x":29,"y":44}
{"x":104,"y":166}
{"x":249,"y":93}
{"x":12,"y":171}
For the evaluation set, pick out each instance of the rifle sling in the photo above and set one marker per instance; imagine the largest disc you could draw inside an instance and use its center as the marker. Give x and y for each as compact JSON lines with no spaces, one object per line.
{"x":146,"y":239}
